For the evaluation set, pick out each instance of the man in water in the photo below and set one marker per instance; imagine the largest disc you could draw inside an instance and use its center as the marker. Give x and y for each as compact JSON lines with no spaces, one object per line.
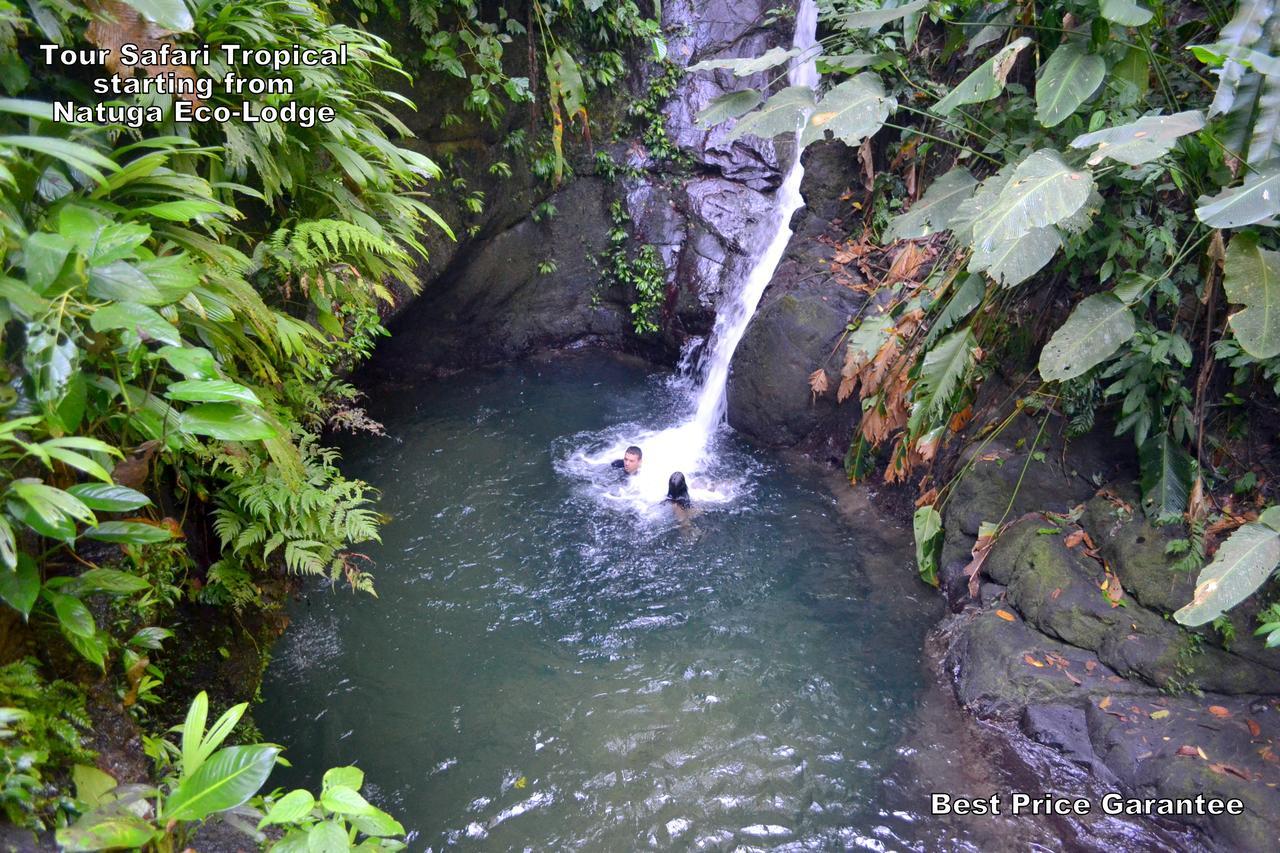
{"x":630,"y":461}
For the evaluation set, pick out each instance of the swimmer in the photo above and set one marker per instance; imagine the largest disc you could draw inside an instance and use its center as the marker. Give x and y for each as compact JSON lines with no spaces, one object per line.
{"x":678,"y":496}
{"x":630,"y":461}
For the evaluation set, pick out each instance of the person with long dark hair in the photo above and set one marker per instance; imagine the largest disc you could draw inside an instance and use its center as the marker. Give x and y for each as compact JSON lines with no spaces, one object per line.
{"x":678,"y":496}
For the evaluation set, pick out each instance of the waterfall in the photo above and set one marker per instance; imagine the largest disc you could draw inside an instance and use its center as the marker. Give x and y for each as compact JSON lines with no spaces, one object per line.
{"x":685,"y":447}
{"x":733,"y":315}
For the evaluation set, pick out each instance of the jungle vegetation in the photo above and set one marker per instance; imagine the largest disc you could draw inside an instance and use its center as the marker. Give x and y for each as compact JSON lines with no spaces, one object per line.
{"x":1120,"y":155}
{"x":180,"y":305}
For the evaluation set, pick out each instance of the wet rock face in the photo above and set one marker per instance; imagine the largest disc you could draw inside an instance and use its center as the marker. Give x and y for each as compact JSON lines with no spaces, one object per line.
{"x":504,"y":303}
{"x":1118,"y":690}
{"x":799,"y":323}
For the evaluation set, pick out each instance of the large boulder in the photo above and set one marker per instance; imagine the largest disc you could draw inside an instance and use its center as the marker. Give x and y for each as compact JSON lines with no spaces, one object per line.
{"x":790,"y":336}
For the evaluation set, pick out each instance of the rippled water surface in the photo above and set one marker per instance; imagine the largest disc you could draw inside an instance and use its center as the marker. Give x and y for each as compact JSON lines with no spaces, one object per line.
{"x":546,"y":668}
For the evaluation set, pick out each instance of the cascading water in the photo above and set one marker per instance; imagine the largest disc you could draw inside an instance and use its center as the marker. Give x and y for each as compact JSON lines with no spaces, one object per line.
{"x":686,"y":446}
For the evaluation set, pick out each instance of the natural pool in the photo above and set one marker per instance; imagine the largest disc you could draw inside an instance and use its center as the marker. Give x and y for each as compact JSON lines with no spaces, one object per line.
{"x":547,"y":668}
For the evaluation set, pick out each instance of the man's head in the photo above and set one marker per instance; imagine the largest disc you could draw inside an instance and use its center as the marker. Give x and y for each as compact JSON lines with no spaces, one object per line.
{"x":631,"y":459}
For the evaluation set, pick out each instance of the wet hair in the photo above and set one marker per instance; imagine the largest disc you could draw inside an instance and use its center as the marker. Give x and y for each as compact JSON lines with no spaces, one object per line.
{"x":635,"y":450}
{"x":678,"y":489}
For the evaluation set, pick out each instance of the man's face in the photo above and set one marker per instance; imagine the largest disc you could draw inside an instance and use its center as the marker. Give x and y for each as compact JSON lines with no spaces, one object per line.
{"x":630,"y":463}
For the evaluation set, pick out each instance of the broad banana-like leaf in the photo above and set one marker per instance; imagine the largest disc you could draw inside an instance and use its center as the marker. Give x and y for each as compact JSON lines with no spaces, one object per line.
{"x":1242,"y":564}
{"x":972,"y":208}
{"x":748,"y":65}
{"x":169,"y":14}
{"x":784,"y":112}
{"x":1043,"y":191}
{"x":729,"y":105}
{"x":852,"y":111}
{"x":1127,"y":13}
{"x":986,"y":82}
{"x":1256,"y":200}
{"x":1240,"y":34}
{"x":933,"y":212}
{"x":1068,"y":79}
{"x":873,"y":18}
{"x":1166,"y":476}
{"x":1142,"y":141}
{"x":1251,"y":277}
{"x":1264,"y":144}
{"x":1097,"y":327}
{"x":1014,"y":261}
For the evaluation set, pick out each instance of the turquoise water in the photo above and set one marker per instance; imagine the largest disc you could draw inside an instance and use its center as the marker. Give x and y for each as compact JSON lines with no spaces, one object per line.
{"x":545,"y":669}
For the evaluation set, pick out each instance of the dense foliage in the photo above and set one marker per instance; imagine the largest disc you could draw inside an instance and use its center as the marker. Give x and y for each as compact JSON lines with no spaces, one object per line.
{"x":1078,"y":147}
{"x":179,"y":303}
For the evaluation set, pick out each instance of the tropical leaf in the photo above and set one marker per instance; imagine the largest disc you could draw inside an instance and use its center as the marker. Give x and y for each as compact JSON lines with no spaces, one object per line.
{"x":967,"y":296}
{"x":109,"y":498}
{"x":784,"y":112}
{"x":20,"y":586}
{"x":945,"y":364}
{"x":1254,"y":201}
{"x":747,"y":66}
{"x":729,"y":105}
{"x":1127,"y":13}
{"x":852,"y":111}
{"x":875,"y":18}
{"x":986,"y":82}
{"x":1067,"y":80}
{"x":1043,"y":191}
{"x":1242,"y":564}
{"x":933,"y":212}
{"x":1240,"y":33}
{"x":1251,"y":277}
{"x":129,"y":533}
{"x":926,"y":526}
{"x":1141,"y":141}
{"x":211,"y":391}
{"x":1097,"y":327}
{"x":225,"y":422}
{"x":139,"y":319}
{"x":1166,"y":476}
{"x":169,"y":14}
{"x":1012,"y":262}
{"x":226,"y":780}
{"x":290,"y":808}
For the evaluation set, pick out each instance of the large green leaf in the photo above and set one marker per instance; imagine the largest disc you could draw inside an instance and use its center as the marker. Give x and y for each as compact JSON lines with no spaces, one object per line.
{"x":1127,"y":13}
{"x":1043,"y":191}
{"x":348,"y":777}
{"x":1067,"y":80}
{"x":1097,"y":327}
{"x":1240,"y":33}
{"x":20,"y":586}
{"x":926,"y":525}
{"x":109,"y":498}
{"x":1251,"y":277}
{"x":874,"y":18}
{"x":290,"y":808}
{"x":1254,"y":201}
{"x":377,"y":823}
{"x":784,"y":112}
{"x":47,"y":510}
{"x":225,"y":422}
{"x":109,"y":581}
{"x":114,"y":830}
{"x":327,"y":837}
{"x":852,"y":111}
{"x":211,"y":391}
{"x":51,"y":357}
{"x":1242,"y":564}
{"x":933,"y":212}
{"x":73,"y":616}
{"x":729,"y":105}
{"x":1141,"y":141}
{"x":986,"y":82}
{"x":1166,"y":476}
{"x":982,"y":200}
{"x":340,"y":799}
{"x":129,"y":533}
{"x":746,"y":66}
{"x":191,"y":362}
{"x":1014,"y":261}
{"x":139,"y":319}
{"x":226,"y":780}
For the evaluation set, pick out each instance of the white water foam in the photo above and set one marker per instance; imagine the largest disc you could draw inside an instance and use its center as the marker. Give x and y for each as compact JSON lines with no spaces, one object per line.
{"x":689,"y":446}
